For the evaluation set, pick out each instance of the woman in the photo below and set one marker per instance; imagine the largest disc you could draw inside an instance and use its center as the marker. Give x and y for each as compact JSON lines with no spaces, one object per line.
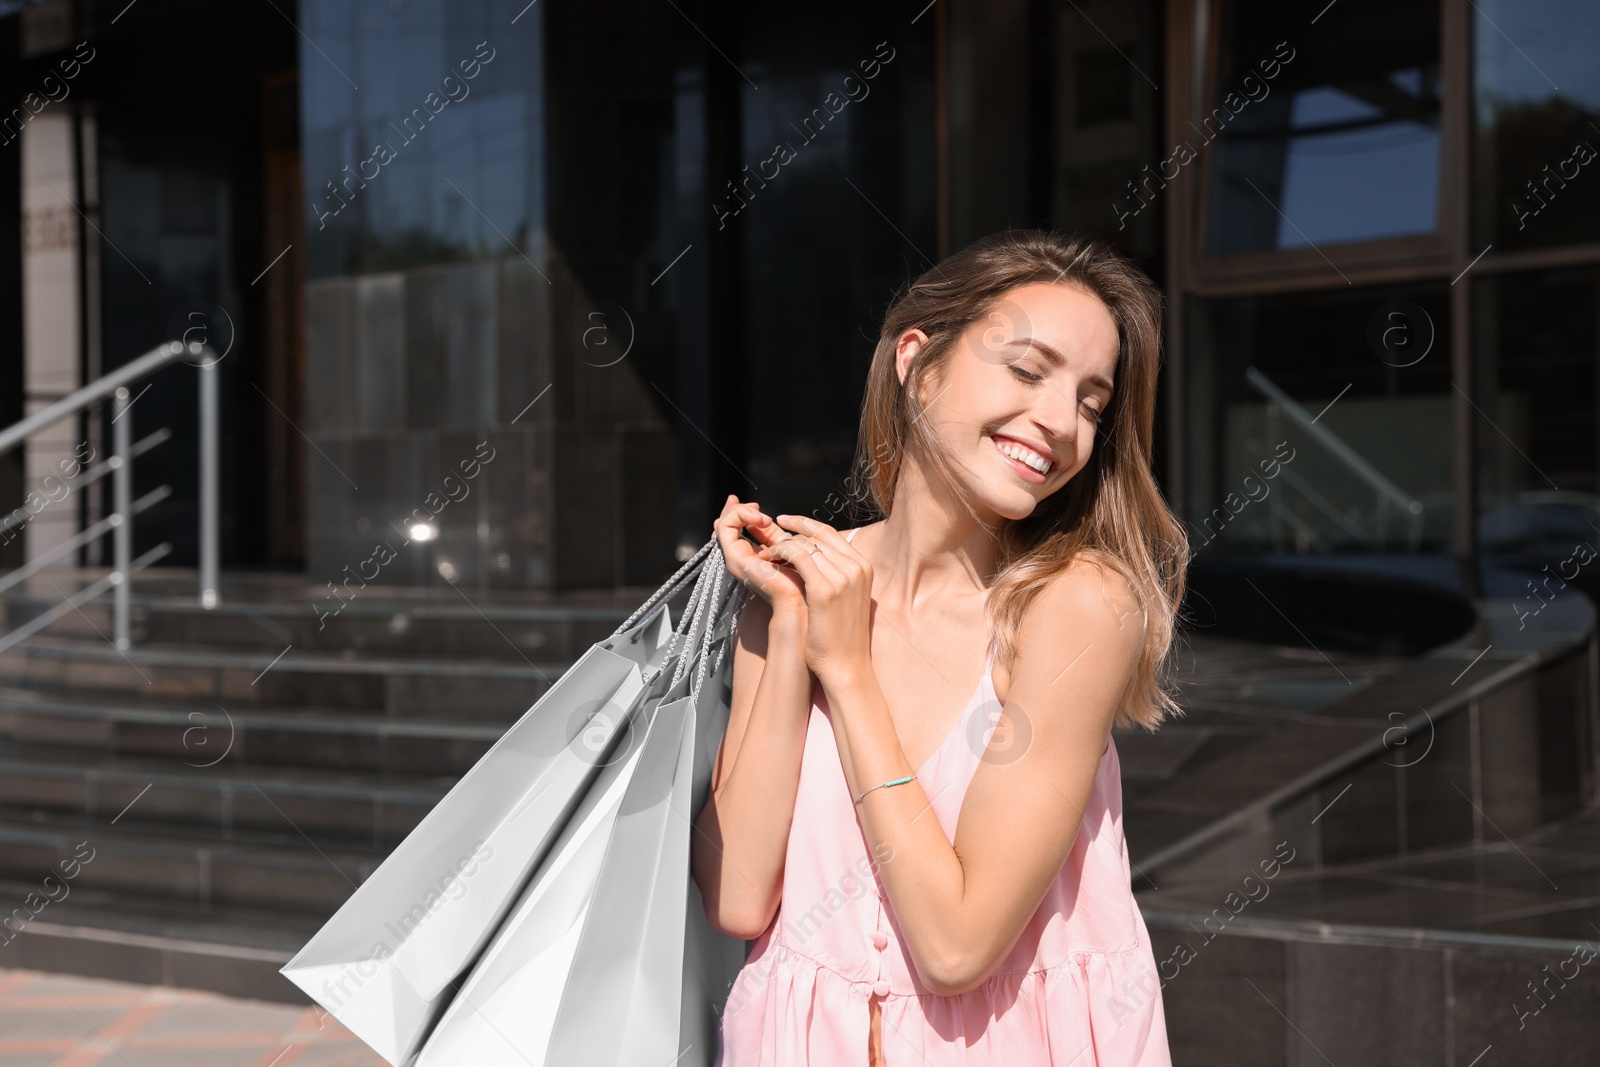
{"x":933,"y":867}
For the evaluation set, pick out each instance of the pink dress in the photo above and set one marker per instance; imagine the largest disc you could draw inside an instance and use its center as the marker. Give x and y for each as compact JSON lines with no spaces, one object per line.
{"x":1079,"y":986}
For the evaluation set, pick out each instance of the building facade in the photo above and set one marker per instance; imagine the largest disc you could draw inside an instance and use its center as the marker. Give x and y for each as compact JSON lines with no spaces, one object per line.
{"x":521,"y":293}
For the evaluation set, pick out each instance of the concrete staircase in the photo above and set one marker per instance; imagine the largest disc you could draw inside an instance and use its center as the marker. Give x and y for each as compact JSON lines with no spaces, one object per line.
{"x":238,"y":772}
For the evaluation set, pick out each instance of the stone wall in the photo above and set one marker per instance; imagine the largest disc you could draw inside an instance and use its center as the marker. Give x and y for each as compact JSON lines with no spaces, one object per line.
{"x":411,"y":374}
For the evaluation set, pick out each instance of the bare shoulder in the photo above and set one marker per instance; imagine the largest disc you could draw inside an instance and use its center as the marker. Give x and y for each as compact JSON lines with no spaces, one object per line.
{"x":1089,"y":603}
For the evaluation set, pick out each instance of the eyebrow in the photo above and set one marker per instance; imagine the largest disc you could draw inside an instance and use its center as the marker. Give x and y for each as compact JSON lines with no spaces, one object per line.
{"x":1058,"y":359}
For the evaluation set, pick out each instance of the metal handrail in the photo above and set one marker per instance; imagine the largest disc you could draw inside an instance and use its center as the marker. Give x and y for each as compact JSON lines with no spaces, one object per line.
{"x":1357,"y":463}
{"x":71,"y":544}
{"x":115,"y":386}
{"x":93,"y":474}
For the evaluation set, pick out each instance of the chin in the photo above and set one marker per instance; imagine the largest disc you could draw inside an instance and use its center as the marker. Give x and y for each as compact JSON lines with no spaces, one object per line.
{"x":1007,"y":502}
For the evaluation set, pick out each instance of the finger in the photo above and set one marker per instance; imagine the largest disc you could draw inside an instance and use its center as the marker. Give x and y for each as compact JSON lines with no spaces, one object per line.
{"x":729,"y":508}
{"x":827,"y":569}
{"x":729,"y":522}
{"x":764,"y":529}
{"x":794,"y":552}
{"x":825,"y":535}
{"x":832,"y":542}
{"x":737,"y":516}
{"x":759,"y":573}
{"x":830,"y":570}
{"x":735,"y":549}
{"x":749,"y":516}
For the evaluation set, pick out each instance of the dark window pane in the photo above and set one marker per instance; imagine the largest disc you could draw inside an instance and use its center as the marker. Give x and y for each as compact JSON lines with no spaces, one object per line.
{"x":1369,"y":370}
{"x":411,"y":170}
{"x":1102,"y":87}
{"x":1536,"y":340}
{"x":1056,"y":120}
{"x":1537,"y":149}
{"x":1325,"y":134}
{"x":840,"y":140}
{"x":1107,"y":135}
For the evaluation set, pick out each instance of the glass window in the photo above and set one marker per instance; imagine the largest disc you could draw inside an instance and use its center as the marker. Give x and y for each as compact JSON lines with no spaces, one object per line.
{"x":1325,"y":134}
{"x":1107,"y":124}
{"x":1320,"y":422}
{"x":1537,"y":147}
{"x":1536,"y":342}
{"x":1056,"y":120}
{"x":435,"y":158}
{"x":830,"y":203}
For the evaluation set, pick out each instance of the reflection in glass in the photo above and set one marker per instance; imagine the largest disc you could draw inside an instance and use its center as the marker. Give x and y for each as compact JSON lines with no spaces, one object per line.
{"x":1537,"y":117}
{"x":839,"y":137}
{"x":1323,"y":136}
{"x":435,"y":158}
{"x":1311,"y":430}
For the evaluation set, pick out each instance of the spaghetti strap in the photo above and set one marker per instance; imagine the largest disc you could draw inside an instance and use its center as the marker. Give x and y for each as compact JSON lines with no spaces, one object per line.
{"x":850,"y":536}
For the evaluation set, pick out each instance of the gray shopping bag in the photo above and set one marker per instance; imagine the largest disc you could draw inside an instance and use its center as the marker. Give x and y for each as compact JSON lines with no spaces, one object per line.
{"x":504,"y":1012}
{"x":389,"y":961}
{"x":608,"y":959}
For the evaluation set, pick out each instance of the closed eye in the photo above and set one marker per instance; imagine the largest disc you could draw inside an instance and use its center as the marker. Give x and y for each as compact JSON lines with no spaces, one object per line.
{"x":1095,"y":414}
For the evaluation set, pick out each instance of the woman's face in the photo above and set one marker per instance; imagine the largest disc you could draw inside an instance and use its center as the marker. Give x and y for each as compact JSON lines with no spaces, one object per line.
{"x":1021,"y":394}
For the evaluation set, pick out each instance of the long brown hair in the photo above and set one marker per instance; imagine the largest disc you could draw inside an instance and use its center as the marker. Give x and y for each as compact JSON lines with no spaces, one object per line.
{"x":1111,"y":512}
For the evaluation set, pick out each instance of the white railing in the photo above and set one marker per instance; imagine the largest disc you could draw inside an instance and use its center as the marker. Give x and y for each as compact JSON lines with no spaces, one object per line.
{"x":119,"y":523}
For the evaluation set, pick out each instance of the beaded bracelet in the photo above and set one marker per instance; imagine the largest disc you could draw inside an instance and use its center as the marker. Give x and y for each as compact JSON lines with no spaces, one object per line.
{"x":886,"y":785}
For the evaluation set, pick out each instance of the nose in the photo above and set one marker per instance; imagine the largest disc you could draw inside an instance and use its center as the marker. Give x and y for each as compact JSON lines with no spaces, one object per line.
{"x":1057,"y":419}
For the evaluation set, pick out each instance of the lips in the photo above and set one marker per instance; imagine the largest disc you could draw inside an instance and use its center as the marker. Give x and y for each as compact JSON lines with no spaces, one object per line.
{"x":1027,"y":473}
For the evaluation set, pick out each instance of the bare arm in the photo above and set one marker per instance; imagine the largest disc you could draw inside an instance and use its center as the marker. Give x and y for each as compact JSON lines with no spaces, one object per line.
{"x":962,"y":905}
{"x":743,"y":831}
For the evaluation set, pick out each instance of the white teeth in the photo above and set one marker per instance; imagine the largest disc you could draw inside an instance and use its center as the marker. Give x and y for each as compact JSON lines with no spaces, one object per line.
{"x":1024,"y":455}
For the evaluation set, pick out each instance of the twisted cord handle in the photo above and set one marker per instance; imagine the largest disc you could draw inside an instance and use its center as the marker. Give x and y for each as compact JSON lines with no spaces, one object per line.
{"x":708,"y":574}
{"x":706,"y":568}
{"x":720,"y":571}
{"x":668,"y":588}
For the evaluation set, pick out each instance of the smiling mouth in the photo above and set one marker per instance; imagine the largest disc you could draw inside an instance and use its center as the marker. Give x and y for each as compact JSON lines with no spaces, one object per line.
{"x":1029,"y":464}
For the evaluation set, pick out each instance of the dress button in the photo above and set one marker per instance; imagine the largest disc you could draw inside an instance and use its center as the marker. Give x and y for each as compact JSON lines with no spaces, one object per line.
{"x":880,"y":989}
{"x":880,"y":940}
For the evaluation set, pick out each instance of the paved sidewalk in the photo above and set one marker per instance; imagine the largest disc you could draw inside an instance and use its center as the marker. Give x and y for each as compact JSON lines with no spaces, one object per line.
{"x":60,"y":1020}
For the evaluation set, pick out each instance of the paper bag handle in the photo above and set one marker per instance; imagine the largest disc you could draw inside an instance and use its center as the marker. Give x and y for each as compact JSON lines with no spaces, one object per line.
{"x":668,"y":589}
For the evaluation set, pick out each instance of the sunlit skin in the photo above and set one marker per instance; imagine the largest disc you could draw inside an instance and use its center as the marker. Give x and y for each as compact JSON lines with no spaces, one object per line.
{"x":891,"y":629}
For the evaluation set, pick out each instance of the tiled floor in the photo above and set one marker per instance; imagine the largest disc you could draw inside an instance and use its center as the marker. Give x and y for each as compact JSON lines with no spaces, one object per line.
{"x":1246,"y":707}
{"x":1542,"y":887}
{"x":57,"y":1020}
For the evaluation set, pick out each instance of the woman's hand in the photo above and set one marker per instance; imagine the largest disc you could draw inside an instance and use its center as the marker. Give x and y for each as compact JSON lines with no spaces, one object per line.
{"x":779,"y":586}
{"x":836,"y":582}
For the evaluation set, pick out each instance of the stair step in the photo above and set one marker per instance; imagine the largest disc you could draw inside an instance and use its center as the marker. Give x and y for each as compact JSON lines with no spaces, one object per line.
{"x":501,"y":625}
{"x":402,"y":688}
{"x":228,"y":796}
{"x":392,"y":633}
{"x":114,"y":859}
{"x":201,"y":732}
{"x":236,"y":951}
{"x":238,"y":771}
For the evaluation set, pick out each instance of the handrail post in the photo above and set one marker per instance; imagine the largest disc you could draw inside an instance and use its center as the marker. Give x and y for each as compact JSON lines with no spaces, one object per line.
{"x":122,"y":496}
{"x":208,"y":482}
